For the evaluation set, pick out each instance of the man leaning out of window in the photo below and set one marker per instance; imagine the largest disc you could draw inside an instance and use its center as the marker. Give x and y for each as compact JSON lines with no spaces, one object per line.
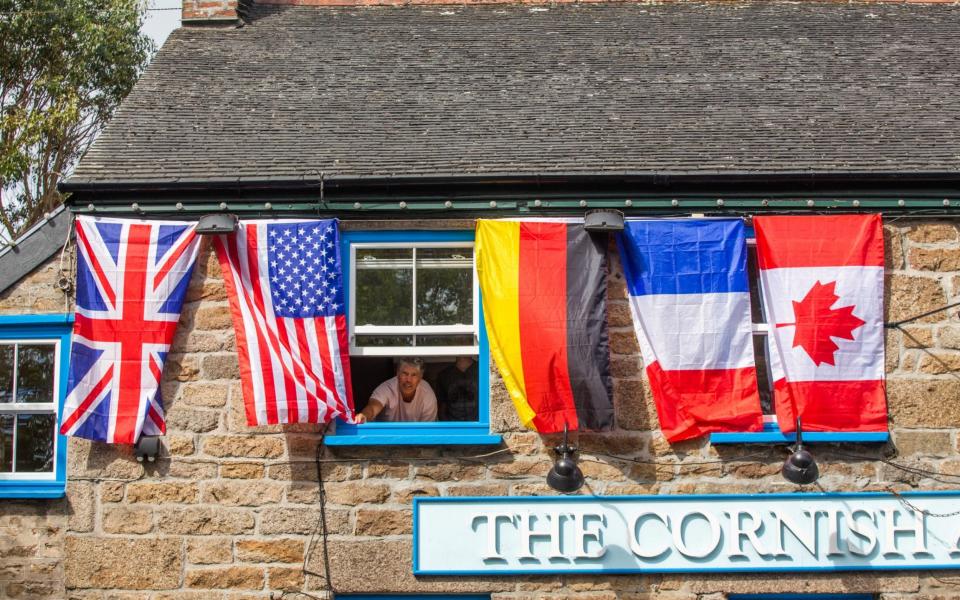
{"x":406,"y":397}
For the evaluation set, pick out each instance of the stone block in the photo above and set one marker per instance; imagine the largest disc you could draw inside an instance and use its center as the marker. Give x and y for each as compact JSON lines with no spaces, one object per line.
{"x":210,"y":317}
{"x":477,"y":489}
{"x":203,"y":520}
{"x":243,"y":493}
{"x":285,"y":578}
{"x":359,"y":566}
{"x":924,"y":403}
{"x":949,"y":337}
{"x":449,"y":472}
{"x":940,"y":363}
{"x":226,"y":578}
{"x":624,"y":341}
{"x":242,"y":470}
{"x":302,"y":521}
{"x":521,"y":467}
{"x":923,"y":443}
{"x":907,"y":296}
{"x":220,"y":366}
{"x":204,"y":393}
{"x":934,"y":259}
{"x":917,"y":336}
{"x":180,"y":445}
{"x":162,"y":493}
{"x":389,"y":470}
{"x":127,"y":519}
{"x":192,"y":469}
{"x":634,"y":405}
{"x":181,"y":367}
{"x":91,"y":562}
{"x":198,"y":421}
{"x":384,"y":522}
{"x":625,"y":367}
{"x":270,"y":551}
{"x":618,"y":315}
{"x":111,"y":491}
{"x":932,"y":233}
{"x":80,"y":506}
{"x":209,"y":551}
{"x":249,"y":446}
{"x":86,"y":459}
{"x":352,"y":493}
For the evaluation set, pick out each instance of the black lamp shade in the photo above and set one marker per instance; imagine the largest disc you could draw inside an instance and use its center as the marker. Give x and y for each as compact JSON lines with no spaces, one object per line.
{"x":800,"y":468}
{"x":565,"y":476}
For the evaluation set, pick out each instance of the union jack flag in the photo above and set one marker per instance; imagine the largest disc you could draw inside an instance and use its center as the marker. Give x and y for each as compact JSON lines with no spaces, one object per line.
{"x":132,"y":277}
{"x":285,"y":286}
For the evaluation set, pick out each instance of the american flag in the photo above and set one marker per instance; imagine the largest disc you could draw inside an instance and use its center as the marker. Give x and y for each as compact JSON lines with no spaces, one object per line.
{"x":285,"y":286}
{"x":132,"y":277}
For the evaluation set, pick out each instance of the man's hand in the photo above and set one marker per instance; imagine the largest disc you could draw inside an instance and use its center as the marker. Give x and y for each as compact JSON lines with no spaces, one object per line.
{"x":359,"y":418}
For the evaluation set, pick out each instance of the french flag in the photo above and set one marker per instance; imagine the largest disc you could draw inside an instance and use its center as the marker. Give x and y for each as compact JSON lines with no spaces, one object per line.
{"x":822,"y":283}
{"x":689,"y":296}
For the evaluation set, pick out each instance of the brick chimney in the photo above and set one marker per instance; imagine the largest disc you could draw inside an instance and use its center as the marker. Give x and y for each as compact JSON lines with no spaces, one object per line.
{"x":210,"y":12}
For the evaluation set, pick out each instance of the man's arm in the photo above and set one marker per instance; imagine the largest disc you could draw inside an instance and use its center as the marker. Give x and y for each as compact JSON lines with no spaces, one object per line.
{"x":370,"y":411}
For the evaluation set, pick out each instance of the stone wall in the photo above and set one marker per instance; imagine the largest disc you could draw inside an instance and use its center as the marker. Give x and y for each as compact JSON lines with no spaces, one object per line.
{"x":231,"y":512}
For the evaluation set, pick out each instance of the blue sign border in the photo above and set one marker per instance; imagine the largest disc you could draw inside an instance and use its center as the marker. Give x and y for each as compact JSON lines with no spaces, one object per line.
{"x":701,"y":497}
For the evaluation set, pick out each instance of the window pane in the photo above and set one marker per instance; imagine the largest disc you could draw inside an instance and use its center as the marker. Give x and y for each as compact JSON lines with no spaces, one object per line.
{"x":6,"y":373}
{"x":444,"y":286}
{"x":763,"y":374}
{"x":384,"y":340}
{"x":384,"y":287}
{"x":35,"y":373}
{"x":446,"y":340}
{"x":753,"y":280}
{"x":6,"y":443}
{"x":35,"y":443}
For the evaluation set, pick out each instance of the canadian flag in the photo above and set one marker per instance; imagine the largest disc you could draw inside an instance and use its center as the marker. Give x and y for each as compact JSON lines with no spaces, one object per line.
{"x":822,"y":285}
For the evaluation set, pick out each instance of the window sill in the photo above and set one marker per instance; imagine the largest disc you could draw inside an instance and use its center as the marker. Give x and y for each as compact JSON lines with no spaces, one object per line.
{"x":32,"y":489}
{"x":413,"y":434}
{"x":771,"y":434}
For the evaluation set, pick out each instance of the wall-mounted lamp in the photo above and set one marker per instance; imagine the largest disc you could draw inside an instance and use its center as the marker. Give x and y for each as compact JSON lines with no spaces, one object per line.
{"x":217,"y":223}
{"x":565,"y":476}
{"x":800,"y":467}
{"x":603,"y":220}
{"x":147,"y":447}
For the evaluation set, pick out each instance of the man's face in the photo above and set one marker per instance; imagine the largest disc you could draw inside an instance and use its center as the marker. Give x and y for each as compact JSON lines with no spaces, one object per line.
{"x":409,"y":378}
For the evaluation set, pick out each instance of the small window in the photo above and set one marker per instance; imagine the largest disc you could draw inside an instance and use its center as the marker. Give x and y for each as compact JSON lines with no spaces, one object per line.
{"x":32,"y":379}
{"x":761,"y":327}
{"x":415,"y":294}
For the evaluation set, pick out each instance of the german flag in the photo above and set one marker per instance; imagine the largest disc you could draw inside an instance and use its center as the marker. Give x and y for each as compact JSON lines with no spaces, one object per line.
{"x":544,"y":287}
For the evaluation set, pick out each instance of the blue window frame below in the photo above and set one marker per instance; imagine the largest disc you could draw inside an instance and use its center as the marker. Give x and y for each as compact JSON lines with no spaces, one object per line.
{"x":42,"y":327}
{"x":418,"y":434}
{"x":800,"y":597}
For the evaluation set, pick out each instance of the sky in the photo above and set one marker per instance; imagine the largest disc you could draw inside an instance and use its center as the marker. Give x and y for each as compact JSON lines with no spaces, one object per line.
{"x":163,"y":16}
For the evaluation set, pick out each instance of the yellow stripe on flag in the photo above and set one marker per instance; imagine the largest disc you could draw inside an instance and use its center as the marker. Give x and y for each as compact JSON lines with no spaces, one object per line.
{"x":498,"y":269}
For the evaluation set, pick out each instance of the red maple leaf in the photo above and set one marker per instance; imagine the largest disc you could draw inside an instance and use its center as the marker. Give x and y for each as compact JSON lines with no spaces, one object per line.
{"x":817,"y":323}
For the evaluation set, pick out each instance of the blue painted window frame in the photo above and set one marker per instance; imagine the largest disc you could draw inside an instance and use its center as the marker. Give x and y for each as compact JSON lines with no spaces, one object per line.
{"x":418,"y":434}
{"x":418,"y":596}
{"x":800,"y":597}
{"x":58,"y":327}
{"x":771,"y":433}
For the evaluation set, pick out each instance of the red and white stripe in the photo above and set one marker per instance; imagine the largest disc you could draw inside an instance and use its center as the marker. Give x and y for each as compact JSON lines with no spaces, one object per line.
{"x":291,"y":370}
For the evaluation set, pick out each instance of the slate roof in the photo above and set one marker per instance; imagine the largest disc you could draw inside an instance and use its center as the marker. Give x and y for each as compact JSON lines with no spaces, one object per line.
{"x":677,"y":88}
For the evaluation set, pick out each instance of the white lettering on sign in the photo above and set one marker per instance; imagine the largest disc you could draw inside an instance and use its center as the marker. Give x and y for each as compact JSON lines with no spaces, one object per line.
{"x":641,"y":534}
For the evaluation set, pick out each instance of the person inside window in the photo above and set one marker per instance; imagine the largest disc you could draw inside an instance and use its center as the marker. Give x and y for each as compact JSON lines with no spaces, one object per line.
{"x":457,"y":390}
{"x":406,"y":397}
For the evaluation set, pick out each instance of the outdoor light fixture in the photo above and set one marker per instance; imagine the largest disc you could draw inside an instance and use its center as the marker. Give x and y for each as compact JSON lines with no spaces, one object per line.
{"x":565,"y":476}
{"x":147,"y":447}
{"x":217,"y":223}
{"x":800,"y":467}
{"x":603,"y":220}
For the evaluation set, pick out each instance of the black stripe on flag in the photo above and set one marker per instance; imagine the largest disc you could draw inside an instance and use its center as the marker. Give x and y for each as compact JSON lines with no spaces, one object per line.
{"x":588,"y":346}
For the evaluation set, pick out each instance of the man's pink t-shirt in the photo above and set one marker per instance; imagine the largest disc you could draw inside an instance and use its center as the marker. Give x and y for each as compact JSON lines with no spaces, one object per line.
{"x":423,"y":407}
